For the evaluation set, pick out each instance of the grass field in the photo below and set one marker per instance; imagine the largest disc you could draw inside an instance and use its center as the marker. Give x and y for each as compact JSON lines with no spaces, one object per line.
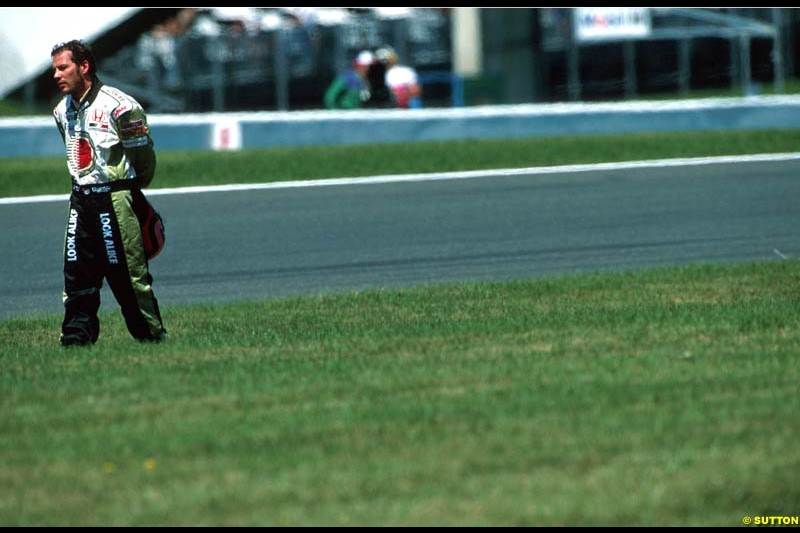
{"x":657,"y":397}
{"x":666,"y":397}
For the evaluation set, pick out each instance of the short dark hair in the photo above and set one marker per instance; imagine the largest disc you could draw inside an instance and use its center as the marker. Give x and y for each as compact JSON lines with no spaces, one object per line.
{"x":80,"y":53}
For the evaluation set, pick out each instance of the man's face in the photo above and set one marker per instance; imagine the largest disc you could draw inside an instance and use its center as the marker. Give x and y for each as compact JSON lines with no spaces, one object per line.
{"x":69,"y":76}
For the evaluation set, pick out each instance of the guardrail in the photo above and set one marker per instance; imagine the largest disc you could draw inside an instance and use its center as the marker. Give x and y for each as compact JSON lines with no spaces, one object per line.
{"x":38,"y":136}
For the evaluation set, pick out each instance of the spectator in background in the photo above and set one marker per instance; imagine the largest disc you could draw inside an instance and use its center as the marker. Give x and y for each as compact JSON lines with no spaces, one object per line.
{"x":402,"y":80}
{"x":158,"y":50}
{"x":379,"y":94}
{"x":157,"y":55}
{"x":351,"y":89}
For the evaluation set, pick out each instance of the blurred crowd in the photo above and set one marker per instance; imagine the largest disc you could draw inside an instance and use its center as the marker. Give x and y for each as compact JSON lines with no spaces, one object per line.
{"x":376,"y":79}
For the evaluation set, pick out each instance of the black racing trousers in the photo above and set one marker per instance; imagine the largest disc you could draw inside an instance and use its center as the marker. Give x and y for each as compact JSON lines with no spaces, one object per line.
{"x":104,"y":241}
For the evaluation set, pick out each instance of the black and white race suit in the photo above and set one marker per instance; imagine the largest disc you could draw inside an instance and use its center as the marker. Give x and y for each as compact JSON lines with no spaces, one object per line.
{"x":110,"y":158}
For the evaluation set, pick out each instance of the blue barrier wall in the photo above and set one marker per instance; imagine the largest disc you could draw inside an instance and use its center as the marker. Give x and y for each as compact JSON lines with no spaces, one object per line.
{"x":36,"y":136}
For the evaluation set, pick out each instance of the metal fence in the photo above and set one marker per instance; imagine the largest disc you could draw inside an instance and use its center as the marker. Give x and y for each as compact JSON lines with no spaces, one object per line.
{"x":529,"y":55}
{"x":282,"y":69}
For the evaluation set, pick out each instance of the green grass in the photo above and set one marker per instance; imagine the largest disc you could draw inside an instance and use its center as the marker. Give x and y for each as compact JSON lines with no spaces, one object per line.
{"x":48,"y":175}
{"x":660,"y":397}
{"x":14,"y":108}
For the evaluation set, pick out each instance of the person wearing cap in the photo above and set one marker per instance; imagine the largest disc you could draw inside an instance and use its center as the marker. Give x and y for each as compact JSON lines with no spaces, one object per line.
{"x":350,"y":90}
{"x":402,"y":80}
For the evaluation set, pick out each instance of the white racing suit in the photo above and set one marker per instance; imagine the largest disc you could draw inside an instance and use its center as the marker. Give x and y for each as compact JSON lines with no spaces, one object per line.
{"x":110,"y":157}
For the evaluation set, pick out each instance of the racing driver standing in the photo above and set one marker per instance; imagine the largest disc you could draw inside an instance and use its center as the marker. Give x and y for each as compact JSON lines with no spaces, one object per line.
{"x":110,"y":158}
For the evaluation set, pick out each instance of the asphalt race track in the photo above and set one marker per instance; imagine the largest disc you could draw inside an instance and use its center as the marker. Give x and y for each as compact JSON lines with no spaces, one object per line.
{"x":259,"y":244}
